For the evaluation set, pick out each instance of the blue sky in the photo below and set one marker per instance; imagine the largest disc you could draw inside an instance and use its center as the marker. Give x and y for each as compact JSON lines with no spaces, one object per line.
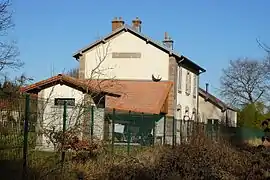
{"x":210,"y":32}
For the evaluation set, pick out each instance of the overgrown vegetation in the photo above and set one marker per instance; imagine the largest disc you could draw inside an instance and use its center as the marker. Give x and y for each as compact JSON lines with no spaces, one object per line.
{"x":200,"y":159}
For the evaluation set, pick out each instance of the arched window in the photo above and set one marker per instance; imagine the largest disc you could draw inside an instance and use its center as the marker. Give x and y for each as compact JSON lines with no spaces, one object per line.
{"x":188,"y":83}
{"x":193,"y":116}
{"x":178,"y":112}
{"x":180,"y":79}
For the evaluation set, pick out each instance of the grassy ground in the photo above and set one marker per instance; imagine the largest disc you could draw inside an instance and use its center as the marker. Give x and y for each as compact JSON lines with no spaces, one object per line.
{"x":200,"y":158}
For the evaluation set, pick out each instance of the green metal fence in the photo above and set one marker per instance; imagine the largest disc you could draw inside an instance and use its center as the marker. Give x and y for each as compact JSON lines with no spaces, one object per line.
{"x":32,"y":129}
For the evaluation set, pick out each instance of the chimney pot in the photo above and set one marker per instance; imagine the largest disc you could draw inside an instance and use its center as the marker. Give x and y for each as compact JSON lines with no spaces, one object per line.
{"x":136,"y":24}
{"x":168,"y":42}
{"x":117,"y":23}
{"x":166,"y":35}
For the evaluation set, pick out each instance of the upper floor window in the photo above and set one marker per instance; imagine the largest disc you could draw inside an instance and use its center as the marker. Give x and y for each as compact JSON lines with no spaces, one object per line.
{"x":188,"y":83}
{"x":194,"y":85}
{"x":180,"y":79}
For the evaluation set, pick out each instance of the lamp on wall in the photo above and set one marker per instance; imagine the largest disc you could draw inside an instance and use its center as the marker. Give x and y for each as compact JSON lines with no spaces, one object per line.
{"x":186,"y":116}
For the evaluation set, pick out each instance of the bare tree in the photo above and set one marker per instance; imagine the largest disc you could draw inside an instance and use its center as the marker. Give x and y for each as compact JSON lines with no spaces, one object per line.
{"x":245,"y":81}
{"x":264,"y":46}
{"x":74,"y":72}
{"x":77,"y":116}
{"x":8,"y":49}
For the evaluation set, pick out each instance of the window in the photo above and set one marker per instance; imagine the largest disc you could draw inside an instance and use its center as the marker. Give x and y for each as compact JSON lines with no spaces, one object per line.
{"x":193,"y":114}
{"x":180,"y":79}
{"x":60,"y":101}
{"x":188,"y":83}
{"x":178,"y":112}
{"x":186,"y":110}
{"x":195,"y":85}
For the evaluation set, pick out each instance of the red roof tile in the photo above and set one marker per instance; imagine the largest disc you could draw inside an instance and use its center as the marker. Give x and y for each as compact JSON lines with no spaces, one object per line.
{"x":137,"y":96}
{"x":68,"y":80}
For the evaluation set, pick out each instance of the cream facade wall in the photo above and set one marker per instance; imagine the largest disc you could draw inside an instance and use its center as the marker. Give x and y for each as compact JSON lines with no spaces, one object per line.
{"x":152,"y":60}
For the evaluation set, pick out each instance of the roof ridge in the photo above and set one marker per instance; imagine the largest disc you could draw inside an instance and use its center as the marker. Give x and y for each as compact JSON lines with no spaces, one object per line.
{"x":142,"y":36}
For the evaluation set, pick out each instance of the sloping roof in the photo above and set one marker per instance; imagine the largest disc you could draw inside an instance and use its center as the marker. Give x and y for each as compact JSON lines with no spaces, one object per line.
{"x":67,"y":80}
{"x":142,"y":36}
{"x":124,"y":95}
{"x":220,"y":104}
{"x":138,"y":96}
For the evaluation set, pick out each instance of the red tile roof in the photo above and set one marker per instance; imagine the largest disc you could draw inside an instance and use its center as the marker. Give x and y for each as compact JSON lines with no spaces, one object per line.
{"x":136,"y":96}
{"x":67,"y":80}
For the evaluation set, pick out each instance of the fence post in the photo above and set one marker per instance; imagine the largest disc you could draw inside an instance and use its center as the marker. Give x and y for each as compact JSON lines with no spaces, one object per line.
{"x":164,"y":130}
{"x":113,"y":121}
{"x":154,"y":132}
{"x":173,"y":132}
{"x":92,"y":122}
{"x":128,"y":129}
{"x":64,"y":131}
{"x":25,"y":135}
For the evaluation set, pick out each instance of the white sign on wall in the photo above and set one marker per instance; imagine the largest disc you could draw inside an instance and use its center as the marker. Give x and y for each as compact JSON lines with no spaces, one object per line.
{"x":119,"y":128}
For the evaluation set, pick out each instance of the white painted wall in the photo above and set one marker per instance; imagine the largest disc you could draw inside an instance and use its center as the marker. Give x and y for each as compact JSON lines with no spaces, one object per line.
{"x":52,"y":116}
{"x":184,"y":100}
{"x":152,"y":61}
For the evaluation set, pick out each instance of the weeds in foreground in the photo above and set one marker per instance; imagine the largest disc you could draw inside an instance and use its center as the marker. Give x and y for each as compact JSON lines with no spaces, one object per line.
{"x":201,"y":158}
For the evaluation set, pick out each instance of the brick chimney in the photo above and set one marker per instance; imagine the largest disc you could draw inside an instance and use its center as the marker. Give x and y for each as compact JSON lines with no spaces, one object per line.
{"x":168,"y":42}
{"x":137,"y":24}
{"x":117,"y":23}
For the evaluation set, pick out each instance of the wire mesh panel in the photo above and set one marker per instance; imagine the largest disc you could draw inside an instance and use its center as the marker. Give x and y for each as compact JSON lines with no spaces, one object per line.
{"x":11,"y":126}
{"x":134,"y":129}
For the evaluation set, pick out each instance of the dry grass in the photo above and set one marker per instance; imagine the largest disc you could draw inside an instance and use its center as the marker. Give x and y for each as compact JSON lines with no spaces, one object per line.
{"x":254,"y":142}
{"x":201,"y":159}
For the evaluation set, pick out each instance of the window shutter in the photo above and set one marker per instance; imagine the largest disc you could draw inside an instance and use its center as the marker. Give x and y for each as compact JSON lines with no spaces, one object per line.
{"x":195,"y":86}
{"x":180,"y":79}
{"x":188,"y":83}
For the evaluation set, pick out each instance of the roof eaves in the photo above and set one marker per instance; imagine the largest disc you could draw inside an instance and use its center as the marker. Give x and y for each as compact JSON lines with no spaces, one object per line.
{"x":214,"y":100}
{"x":144,"y":37}
{"x":193,"y":63}
{"x":102,"y":40}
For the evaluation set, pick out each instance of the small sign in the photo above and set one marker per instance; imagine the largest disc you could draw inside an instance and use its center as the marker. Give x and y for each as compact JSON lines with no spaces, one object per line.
{"x":60,"y":101}
{"x":119,"y":128}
